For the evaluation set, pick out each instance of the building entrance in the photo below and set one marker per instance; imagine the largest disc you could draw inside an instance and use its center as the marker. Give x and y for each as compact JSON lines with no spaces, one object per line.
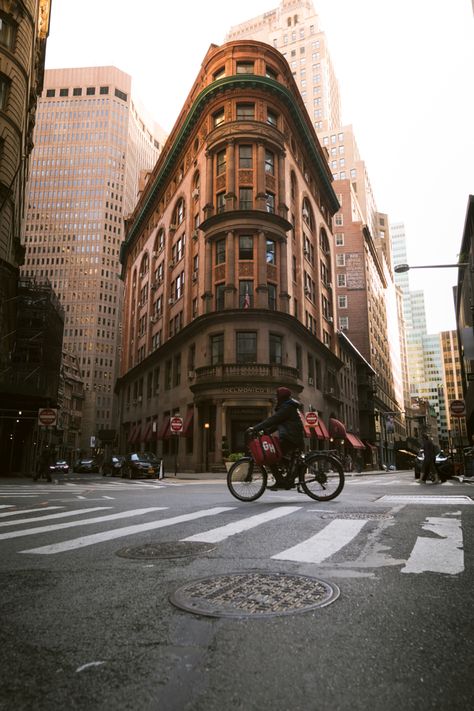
{"x":239,"y":422}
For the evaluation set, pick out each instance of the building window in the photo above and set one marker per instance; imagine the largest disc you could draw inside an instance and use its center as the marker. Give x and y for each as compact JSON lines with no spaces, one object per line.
{"x":77,"y":91}
{"x":220,"y":297}
{"x":4,"y":88}
{"x":50,"y":93}
{"x":220,"y":74}
{"x":104,"y":90}
{"x":344,"y":323}
{"x":272,"y":297}
{"x":218,"y":117}
{"x":7,"y":32}
{"x":221,"y":162}
{"x":270,"y":202}
{"x":270,"y":72}
{"x":245,"y":294}
{"x":245,"y":198}
{"x":246,"y":347}
{"x":272,"y":117}
{"x":120,"y":95}
{"x":220,"y":202}
{"x":90,"y":91}
{"x":244,"y":68}
{"x":64,"y":92}
{"x":342,"y":302}
{"x":245,"y":247}
{"x":245,"y":156}
{"x":299,"y":360}
{"x":269,"y":163}
{"x":338,"y":219}
{"x":217,"y":349}
{"x":177,"y":371}
{"x":341,"y":280}
{"x":220,"y":251}
{"x":339,"y":238}
{"x":340,"y":260}
{"x":271,"y":251}
{"x":245,"y":112}
{"x":275,"y":347}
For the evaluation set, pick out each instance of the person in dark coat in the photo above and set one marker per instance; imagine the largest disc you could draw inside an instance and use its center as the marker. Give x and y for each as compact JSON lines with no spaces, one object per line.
{"x":429,"y":460}
{"x":287,"y":422}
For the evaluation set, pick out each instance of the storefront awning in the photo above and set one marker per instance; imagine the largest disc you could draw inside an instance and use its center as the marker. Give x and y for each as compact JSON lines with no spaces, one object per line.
{"x":321,"y":430}
{"x":370,"y":445}
{"x":134,"y":435}
{"x":148,"y":432}
{"x":337,"y":429}
{"x":354,"y":441}
{"x":188,"y":424}
{"x":164,"y":429}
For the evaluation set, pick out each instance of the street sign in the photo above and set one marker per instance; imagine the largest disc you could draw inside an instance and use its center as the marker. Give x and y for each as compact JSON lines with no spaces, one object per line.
{"x":457,"y":408}
{"x":47,"y":416}
{"x":176,"y":424}
{"x":312,"y":419}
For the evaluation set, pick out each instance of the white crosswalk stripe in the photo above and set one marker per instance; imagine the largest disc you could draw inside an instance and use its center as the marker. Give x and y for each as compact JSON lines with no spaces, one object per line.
{"x":436,"y":547}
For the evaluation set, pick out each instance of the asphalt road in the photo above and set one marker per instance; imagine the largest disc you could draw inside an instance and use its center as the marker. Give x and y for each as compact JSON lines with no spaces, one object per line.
{"x":85,"y":628}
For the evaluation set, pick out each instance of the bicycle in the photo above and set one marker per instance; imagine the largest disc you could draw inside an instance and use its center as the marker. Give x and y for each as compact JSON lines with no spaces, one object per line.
{"x":320,"y":475}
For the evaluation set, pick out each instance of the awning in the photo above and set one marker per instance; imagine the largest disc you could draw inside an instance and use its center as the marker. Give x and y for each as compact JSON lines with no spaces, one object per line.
{"x":162,"y":432}
{"x":147,"y":435}
{"x":188,"y":424}
{"x":337,"y":429}
{"x":321,"y":430}
{"x":354,"y":441}
{"x":134,"y":435}
{"x":370,"y":445}
{"x":307,"y":430}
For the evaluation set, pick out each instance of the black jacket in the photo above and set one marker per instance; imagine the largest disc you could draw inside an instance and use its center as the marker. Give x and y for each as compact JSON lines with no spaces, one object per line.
{"x":287,"y":421}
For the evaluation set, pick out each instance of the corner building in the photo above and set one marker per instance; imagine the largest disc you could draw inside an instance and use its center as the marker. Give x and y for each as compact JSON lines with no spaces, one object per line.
{"x":228,"y":264}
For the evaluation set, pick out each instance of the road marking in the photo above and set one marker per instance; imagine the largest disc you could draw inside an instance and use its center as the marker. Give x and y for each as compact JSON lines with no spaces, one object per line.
{"x":24,"y":511}
{"x":127,"y":531}
{"x":222,"y":532}
{"x":455,"y":500}
{"x":324,"y":544}
{"x":438,"y":555}
{"x":6,"y":506}
{"x":64,"y":514}
{"x":82,"y":522}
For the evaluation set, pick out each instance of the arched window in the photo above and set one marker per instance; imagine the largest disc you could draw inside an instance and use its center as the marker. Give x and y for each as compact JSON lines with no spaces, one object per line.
{"x":179,"y":212}
{"x":323,"y":241}
{"x":293,"y":185}
{"x":159,"y":242}
{"x":196,"y":184}
{"x":307,"y":213}
{"x":144,"y":266}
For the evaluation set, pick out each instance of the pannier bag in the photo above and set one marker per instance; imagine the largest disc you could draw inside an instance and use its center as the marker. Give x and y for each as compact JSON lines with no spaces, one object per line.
{"x":265,"y":450}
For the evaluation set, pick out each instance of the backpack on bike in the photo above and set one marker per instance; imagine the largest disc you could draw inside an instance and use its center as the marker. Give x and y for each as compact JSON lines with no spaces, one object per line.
{"x":265,"y":450}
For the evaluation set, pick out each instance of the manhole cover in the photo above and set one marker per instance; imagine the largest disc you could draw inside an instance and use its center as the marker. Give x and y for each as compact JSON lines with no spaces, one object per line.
{"x":254,"y":594}
{"x":358,"y":515}
{"x":175,"y":549}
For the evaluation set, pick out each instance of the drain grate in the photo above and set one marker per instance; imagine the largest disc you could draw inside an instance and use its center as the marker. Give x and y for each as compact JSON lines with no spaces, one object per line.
{"x":369,"y":516}
{"x":175,"y":549}
{"x":255,"y":594}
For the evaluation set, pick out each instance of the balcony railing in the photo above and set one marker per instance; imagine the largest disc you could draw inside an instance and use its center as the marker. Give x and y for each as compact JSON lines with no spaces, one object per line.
{"x":245,"y":371}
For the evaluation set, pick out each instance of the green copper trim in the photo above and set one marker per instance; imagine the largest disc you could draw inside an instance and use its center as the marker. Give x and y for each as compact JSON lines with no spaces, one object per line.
{"x":239,"y":81}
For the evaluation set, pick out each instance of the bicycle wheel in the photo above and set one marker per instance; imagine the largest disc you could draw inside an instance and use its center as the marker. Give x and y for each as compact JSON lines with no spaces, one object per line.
{"x":323,"y":477}
{"x":245,"y":480}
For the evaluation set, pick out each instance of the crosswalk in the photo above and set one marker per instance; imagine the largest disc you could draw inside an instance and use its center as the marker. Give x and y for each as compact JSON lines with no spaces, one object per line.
{"x":29,"y":491}
{"x":435,"y":544}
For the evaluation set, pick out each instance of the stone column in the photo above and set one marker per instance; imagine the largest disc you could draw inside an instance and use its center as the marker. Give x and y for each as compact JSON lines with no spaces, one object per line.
{"x":230,"y":276}
{"x":230,"y":197}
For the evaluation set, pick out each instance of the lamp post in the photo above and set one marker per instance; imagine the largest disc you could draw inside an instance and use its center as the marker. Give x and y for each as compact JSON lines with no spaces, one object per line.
{"x":206,"y":445}
{"x":402,"y":268}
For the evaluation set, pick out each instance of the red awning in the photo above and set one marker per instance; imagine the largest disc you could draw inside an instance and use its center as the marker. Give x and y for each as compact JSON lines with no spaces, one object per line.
{"x":135,"y":433}
{"x":321,"y":430}
{"x":307,"y":430}
{"x":162,"y":432}
{"x":337,"y":429}
{"x":147,"y":435}
{"x":354,"y":441}
{"x":188,"y":424}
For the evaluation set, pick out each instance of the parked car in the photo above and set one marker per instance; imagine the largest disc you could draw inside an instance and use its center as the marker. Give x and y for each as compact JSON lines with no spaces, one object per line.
{"x":113,"y":466}
{"x":60,"y":466}
{"x":86,"y":464}
{"x":141,"y":465}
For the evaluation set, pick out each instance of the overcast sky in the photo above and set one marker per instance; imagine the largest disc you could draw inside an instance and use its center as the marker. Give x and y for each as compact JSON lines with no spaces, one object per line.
{"x":405,"y":75}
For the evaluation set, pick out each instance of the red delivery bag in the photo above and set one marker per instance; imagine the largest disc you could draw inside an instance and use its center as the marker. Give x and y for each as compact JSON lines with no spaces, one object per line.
{"x":265,"y":450}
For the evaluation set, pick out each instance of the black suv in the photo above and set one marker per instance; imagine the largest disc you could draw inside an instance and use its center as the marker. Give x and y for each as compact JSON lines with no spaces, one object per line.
{"x":139,"y":465}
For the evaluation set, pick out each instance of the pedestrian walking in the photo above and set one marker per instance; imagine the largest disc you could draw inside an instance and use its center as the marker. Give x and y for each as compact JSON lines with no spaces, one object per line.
{"x":428,"y":468}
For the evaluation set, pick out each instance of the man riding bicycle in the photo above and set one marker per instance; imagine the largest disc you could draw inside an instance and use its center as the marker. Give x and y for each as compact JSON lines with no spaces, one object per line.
{"x":290,"y":430}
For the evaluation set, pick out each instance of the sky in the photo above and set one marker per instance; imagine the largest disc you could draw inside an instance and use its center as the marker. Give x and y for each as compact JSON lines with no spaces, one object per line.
{"x":405,"y":75}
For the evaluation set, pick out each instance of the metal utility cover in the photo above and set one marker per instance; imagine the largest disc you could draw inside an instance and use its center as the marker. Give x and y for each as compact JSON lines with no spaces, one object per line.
{"x":174,"y":549}
{"x":254,"y":594}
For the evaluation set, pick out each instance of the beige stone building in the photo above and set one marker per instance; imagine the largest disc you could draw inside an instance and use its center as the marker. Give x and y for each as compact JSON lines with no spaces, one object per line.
{"x":91,"y":143}
{"x":229,"y":265}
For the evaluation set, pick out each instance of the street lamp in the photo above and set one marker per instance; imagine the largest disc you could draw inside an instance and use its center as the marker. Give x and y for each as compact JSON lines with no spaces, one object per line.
{"x":206,"y":445}
{"x":402,"y":268}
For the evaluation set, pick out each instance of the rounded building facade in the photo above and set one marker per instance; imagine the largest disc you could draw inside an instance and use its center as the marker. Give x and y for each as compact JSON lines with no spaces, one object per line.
{"x":228,"y":265}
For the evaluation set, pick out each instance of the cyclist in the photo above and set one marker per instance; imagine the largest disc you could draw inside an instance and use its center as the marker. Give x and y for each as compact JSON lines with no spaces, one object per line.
{"x":290,"y":430}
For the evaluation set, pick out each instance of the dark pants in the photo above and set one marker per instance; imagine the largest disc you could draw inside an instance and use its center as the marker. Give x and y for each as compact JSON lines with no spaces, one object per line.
{"x":428,"y":469}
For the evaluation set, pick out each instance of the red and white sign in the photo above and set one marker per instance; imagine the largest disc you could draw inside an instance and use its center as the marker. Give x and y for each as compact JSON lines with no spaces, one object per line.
{"x":47,"y":416}
{"x":457,"y":408}
{"x":312,"y":419}
{"x":176,"y":424}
